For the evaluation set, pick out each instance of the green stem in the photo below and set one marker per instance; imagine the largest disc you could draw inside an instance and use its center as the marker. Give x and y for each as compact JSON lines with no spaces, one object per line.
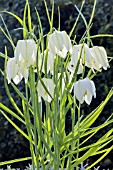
{"x":37,"y":119}
{"x":78,"y":141}
{"x":55,"y":118}
{"x":29,"y":128}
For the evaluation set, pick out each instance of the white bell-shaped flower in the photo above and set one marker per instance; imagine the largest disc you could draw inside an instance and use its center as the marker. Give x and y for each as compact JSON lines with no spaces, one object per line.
{"x":16,"y":71}
{"x":43,"y":93}
{"x":74,"y":59}
{"x":11,"y":69}
{"x":26,"y":49}
{"x":100,"y":58}
{"x":59,"y":43}
{"x":84,"y":90}
{"x":24,"y":57}
{"x":86,"y":55}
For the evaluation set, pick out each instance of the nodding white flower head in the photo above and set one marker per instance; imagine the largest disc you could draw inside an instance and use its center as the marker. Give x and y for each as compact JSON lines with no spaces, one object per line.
{"x":84,"y":90}
{"x":59,"y":43}
{"x":86,"y":55}
{"x":24,"y":57}
{"x":43,"y":93}
{"x":94,"y":58}
{"x":12,"y":71}
{"x":74,"y":59}
{"x":26,"y":50}
{"x":100,"y":58}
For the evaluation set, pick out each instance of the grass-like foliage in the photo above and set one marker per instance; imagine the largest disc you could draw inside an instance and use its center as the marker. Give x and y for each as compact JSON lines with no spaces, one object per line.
{"x":58,"y":75}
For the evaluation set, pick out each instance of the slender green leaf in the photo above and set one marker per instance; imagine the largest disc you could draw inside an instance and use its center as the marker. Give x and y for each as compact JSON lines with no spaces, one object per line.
{"x":7,"y":37}
{"x":29,"y":19}
{"x":3,"y":107}
{"x":15,"y":16}
{"x":14,"y":161}
{"x":72,"y":30}
{"x":47,"y":12}
{"x":15,"y":126}
{"x":102,"y":157}
{"x":24,"y":22}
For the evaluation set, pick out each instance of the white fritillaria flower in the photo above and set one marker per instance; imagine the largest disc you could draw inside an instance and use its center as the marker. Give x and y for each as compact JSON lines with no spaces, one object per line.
{"x":100,"y":58}
{"x":86,"y":58}
{"x":94,"y":58}
{"x":24,"y":57}
{"x":12,"y":71}
{"x":74,"y":59}
{"x":84,"y":90}
{"x":43,"y":93}
{"x":86,"y":55}
{"x":59,"y":43}
{"x":26,"y":50}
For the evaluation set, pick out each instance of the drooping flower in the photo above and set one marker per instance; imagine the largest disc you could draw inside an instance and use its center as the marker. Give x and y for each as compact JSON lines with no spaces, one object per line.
{"x":26,"y":50}
{"x":86,"y":55}
{"x":94,"y":58}
{"x":100,"y":58}
{"x":24,"y":57}
{"x":12,"y":71}
{"x":43,"y":93}
{"x":74,"y":60}
{"x":84,"y":90}
{"x":59,"y":43}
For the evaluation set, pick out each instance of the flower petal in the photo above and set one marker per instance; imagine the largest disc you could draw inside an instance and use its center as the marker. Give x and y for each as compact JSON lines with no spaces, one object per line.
{"x":42,"y":92}
{"x":100,"y":57}
{"x":59,"y":43}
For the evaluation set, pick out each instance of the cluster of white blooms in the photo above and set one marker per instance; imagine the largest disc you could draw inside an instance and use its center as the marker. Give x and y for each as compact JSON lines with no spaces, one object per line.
{"x":24,"y":57}
{"x":94,"y":58}
{"x":59,"y":44}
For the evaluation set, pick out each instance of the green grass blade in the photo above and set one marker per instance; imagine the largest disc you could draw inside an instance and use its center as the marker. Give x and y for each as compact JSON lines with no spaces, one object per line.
{"x":58,"y":19}
{"x":52,"y":14}
{"x":24,"y":22}
{"x":7,"y":37}
{"x":15,"y":16}
{"x":29,"y":19}
{"x":101,"y":35}
{"x":82,"y":16}
{"x":92,"y":14}
{"x":47,"y":12}
{"x":14,"y":125}
{"x":90,"y":119}
{"x":102,"y":157}
{"x":72,"y":30}
{"x":14,"y":161}
{"x":3,"y":107}
{"x":3,"y":56}
{"x":7,"y":30}
{"x":40,"y":24}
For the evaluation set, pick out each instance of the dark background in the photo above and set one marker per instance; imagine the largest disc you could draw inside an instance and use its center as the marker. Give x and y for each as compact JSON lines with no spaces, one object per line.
{"x":12,"y":144}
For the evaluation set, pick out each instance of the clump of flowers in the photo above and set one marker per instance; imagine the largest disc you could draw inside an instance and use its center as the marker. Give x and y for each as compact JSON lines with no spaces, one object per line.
{"x":56,"y":84}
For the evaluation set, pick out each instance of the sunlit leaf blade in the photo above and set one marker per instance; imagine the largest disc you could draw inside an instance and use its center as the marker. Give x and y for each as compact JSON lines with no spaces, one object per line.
{"x":24,"y":22}
{"x":102,"y":157}
{"x":14,"y":161}
{"x":29,"y":19}
{"x":3,"y":107}
{"x":15,"y":126}
{"x":7,"y":37}
{"x":15,"y":16}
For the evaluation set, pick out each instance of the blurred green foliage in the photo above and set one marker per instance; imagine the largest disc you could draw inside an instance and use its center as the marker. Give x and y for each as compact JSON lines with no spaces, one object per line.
{"x":12,"y":142}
